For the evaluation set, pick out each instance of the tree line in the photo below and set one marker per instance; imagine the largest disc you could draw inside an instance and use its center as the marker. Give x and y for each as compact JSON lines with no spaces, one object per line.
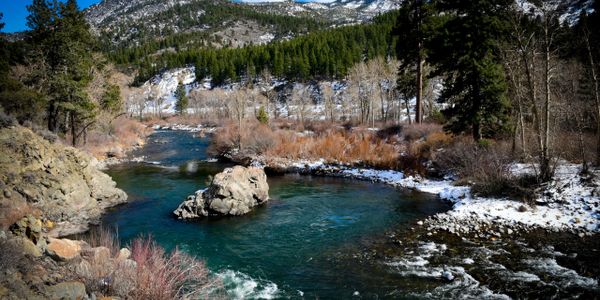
{"x":508,"y":71}
{"x":322,"y":54}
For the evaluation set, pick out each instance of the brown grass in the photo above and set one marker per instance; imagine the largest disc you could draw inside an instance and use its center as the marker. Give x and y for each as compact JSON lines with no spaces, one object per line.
{"x":115,"y":137}
{"x":334,"y":145}
{"x":150,"y":272}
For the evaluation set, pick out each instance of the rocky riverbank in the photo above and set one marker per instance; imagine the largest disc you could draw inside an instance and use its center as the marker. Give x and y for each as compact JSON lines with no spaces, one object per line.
{"x":59,"y":183}
{"x":569,"y":203}
{"x":50,"y":190}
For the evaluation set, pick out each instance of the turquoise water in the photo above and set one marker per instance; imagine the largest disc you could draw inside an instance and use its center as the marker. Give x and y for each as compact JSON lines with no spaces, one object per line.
{"x":302,"y":243}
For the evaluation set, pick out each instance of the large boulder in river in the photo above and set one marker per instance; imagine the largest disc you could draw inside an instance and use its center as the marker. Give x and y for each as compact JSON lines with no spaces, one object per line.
{"x":235,"y":191}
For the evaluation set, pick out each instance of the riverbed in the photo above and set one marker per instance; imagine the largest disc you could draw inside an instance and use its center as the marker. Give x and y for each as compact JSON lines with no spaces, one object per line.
{"x":331,"y":238}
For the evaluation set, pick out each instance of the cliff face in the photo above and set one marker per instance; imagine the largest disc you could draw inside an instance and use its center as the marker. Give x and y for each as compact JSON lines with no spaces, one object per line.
{"x":60,"y":183}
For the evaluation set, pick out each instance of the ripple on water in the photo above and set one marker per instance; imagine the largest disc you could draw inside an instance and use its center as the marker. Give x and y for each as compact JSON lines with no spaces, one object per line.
{"x":242,"y":286}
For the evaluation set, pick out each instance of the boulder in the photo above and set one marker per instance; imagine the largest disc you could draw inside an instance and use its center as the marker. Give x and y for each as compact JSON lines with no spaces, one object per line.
{"x":64,"y":249}
{"x":60,"y":182}
{"x":67,"y":290}
{"x":235,"y":191}
{"x":29,"y":248}
{"x":124,"y":254}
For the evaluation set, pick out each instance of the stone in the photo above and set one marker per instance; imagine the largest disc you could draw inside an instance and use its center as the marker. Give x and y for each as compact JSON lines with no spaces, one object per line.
{"x":28,"y":227}
{"x":70,"y":290}
{"x":124,"y":254}
{"x":447,"y":275}
{"x":235,"y":191}
{"x":64,"y":249}
{"x":420,"y":223}
{"x":61,"y":182}
{"x":29,"y":248}
{"x":98,"y":254}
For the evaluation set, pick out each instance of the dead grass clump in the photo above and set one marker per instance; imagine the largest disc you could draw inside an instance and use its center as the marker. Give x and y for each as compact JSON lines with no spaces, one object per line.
{"x":162,"y":275}
{"x":149,"y":273}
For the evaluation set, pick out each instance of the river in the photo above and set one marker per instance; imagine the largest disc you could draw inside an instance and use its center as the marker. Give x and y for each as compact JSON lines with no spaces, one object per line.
{"x":318,"y":237}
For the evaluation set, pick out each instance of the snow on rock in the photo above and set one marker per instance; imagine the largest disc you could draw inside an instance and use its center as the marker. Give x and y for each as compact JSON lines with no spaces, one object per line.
{"x":163,"y":86}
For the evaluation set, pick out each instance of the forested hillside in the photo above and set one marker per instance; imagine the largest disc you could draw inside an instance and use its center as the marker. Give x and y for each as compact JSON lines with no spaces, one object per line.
{"x":323,"y":54}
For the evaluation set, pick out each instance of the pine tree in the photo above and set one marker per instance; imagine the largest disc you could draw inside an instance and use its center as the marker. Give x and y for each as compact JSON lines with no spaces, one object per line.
{"x":182,"y":99}
{"x":411,"y":27}
{"x":466,"y":51}
{"x":262,"y":116}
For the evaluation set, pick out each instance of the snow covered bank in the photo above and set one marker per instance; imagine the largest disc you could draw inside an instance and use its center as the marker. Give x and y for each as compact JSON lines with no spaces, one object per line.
{"x":184,"y":127}
{"x":568,"y":203}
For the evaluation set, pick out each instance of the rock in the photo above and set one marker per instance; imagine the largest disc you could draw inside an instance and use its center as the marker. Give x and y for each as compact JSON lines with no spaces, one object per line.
{"x":28,"y":227}
{"x":447,"y":275}
{"x":29,"y":248}
{"x":124,"y":254}
{"x":420,"y":223}
{"x":67,"y":290}
{"x":7,"y":193}
{"x":98,"y":254}
{"x":63,"y":249}
{"x":235,"y":191}
{"x":59,"y":181}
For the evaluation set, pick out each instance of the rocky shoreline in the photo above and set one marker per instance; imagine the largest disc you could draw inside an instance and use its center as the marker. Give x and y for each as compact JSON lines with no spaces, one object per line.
{"x":570,"y":203}
{"x":50,"y":190}
{"x":60,"y":184}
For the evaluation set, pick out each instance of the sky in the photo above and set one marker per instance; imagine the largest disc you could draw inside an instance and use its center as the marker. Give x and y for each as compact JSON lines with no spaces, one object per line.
{"x":15,"y":13}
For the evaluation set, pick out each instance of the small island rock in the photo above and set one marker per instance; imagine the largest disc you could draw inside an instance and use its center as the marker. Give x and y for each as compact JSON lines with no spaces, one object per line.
{"x":235,"y":191}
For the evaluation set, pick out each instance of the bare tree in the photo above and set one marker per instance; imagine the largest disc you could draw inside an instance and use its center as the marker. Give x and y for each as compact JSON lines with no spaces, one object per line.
{"x":329,"y":100}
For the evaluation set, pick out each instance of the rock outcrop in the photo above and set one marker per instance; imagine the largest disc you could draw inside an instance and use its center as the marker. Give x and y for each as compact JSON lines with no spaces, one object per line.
{"x":235,"y":191}
{"x":61,"y":183}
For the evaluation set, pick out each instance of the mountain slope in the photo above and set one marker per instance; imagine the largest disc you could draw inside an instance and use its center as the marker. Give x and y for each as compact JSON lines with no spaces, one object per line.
{"x":125,"y":23}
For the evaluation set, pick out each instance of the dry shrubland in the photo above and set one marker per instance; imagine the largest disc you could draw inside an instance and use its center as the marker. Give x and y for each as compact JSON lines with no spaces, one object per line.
{"x":115,"y":136}
{"x":394,"y":147}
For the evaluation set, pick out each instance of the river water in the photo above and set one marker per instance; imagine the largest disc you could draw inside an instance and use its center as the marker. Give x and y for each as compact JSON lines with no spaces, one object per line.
{"x":320,"y":237}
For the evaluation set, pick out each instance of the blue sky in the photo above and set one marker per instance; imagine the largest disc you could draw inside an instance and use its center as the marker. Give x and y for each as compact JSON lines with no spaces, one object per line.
{"x":15,"y":12}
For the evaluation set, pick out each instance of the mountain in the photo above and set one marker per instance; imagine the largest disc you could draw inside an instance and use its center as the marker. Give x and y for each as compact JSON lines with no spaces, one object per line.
{"x":127,"y":23}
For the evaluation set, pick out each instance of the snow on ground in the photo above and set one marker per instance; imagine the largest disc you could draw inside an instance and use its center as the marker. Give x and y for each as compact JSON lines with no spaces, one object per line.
{"x":567,"y":203}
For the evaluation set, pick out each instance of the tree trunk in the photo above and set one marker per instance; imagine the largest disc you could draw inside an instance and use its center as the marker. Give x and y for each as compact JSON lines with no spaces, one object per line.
{"x":596,"y":97}
{"x":545,"y":159}
{"x":419,"y":98}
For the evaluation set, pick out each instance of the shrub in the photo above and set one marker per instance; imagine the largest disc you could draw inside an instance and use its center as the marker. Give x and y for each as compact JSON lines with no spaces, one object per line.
{"x":486,"y":166}
{"x":10,"y":254}
{"x":150,"y":273}
{"x":162,"y":275}
{"x":47,"y":135}
{"x":262,"y":116}
{"x":7,"y":120}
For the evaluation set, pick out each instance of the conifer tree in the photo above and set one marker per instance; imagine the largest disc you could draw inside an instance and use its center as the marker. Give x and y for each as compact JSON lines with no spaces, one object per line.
{"x":410,"y":28}
{"x":465,"y":49}
{"x":262,"y":116}
{"x":182,"y":99}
